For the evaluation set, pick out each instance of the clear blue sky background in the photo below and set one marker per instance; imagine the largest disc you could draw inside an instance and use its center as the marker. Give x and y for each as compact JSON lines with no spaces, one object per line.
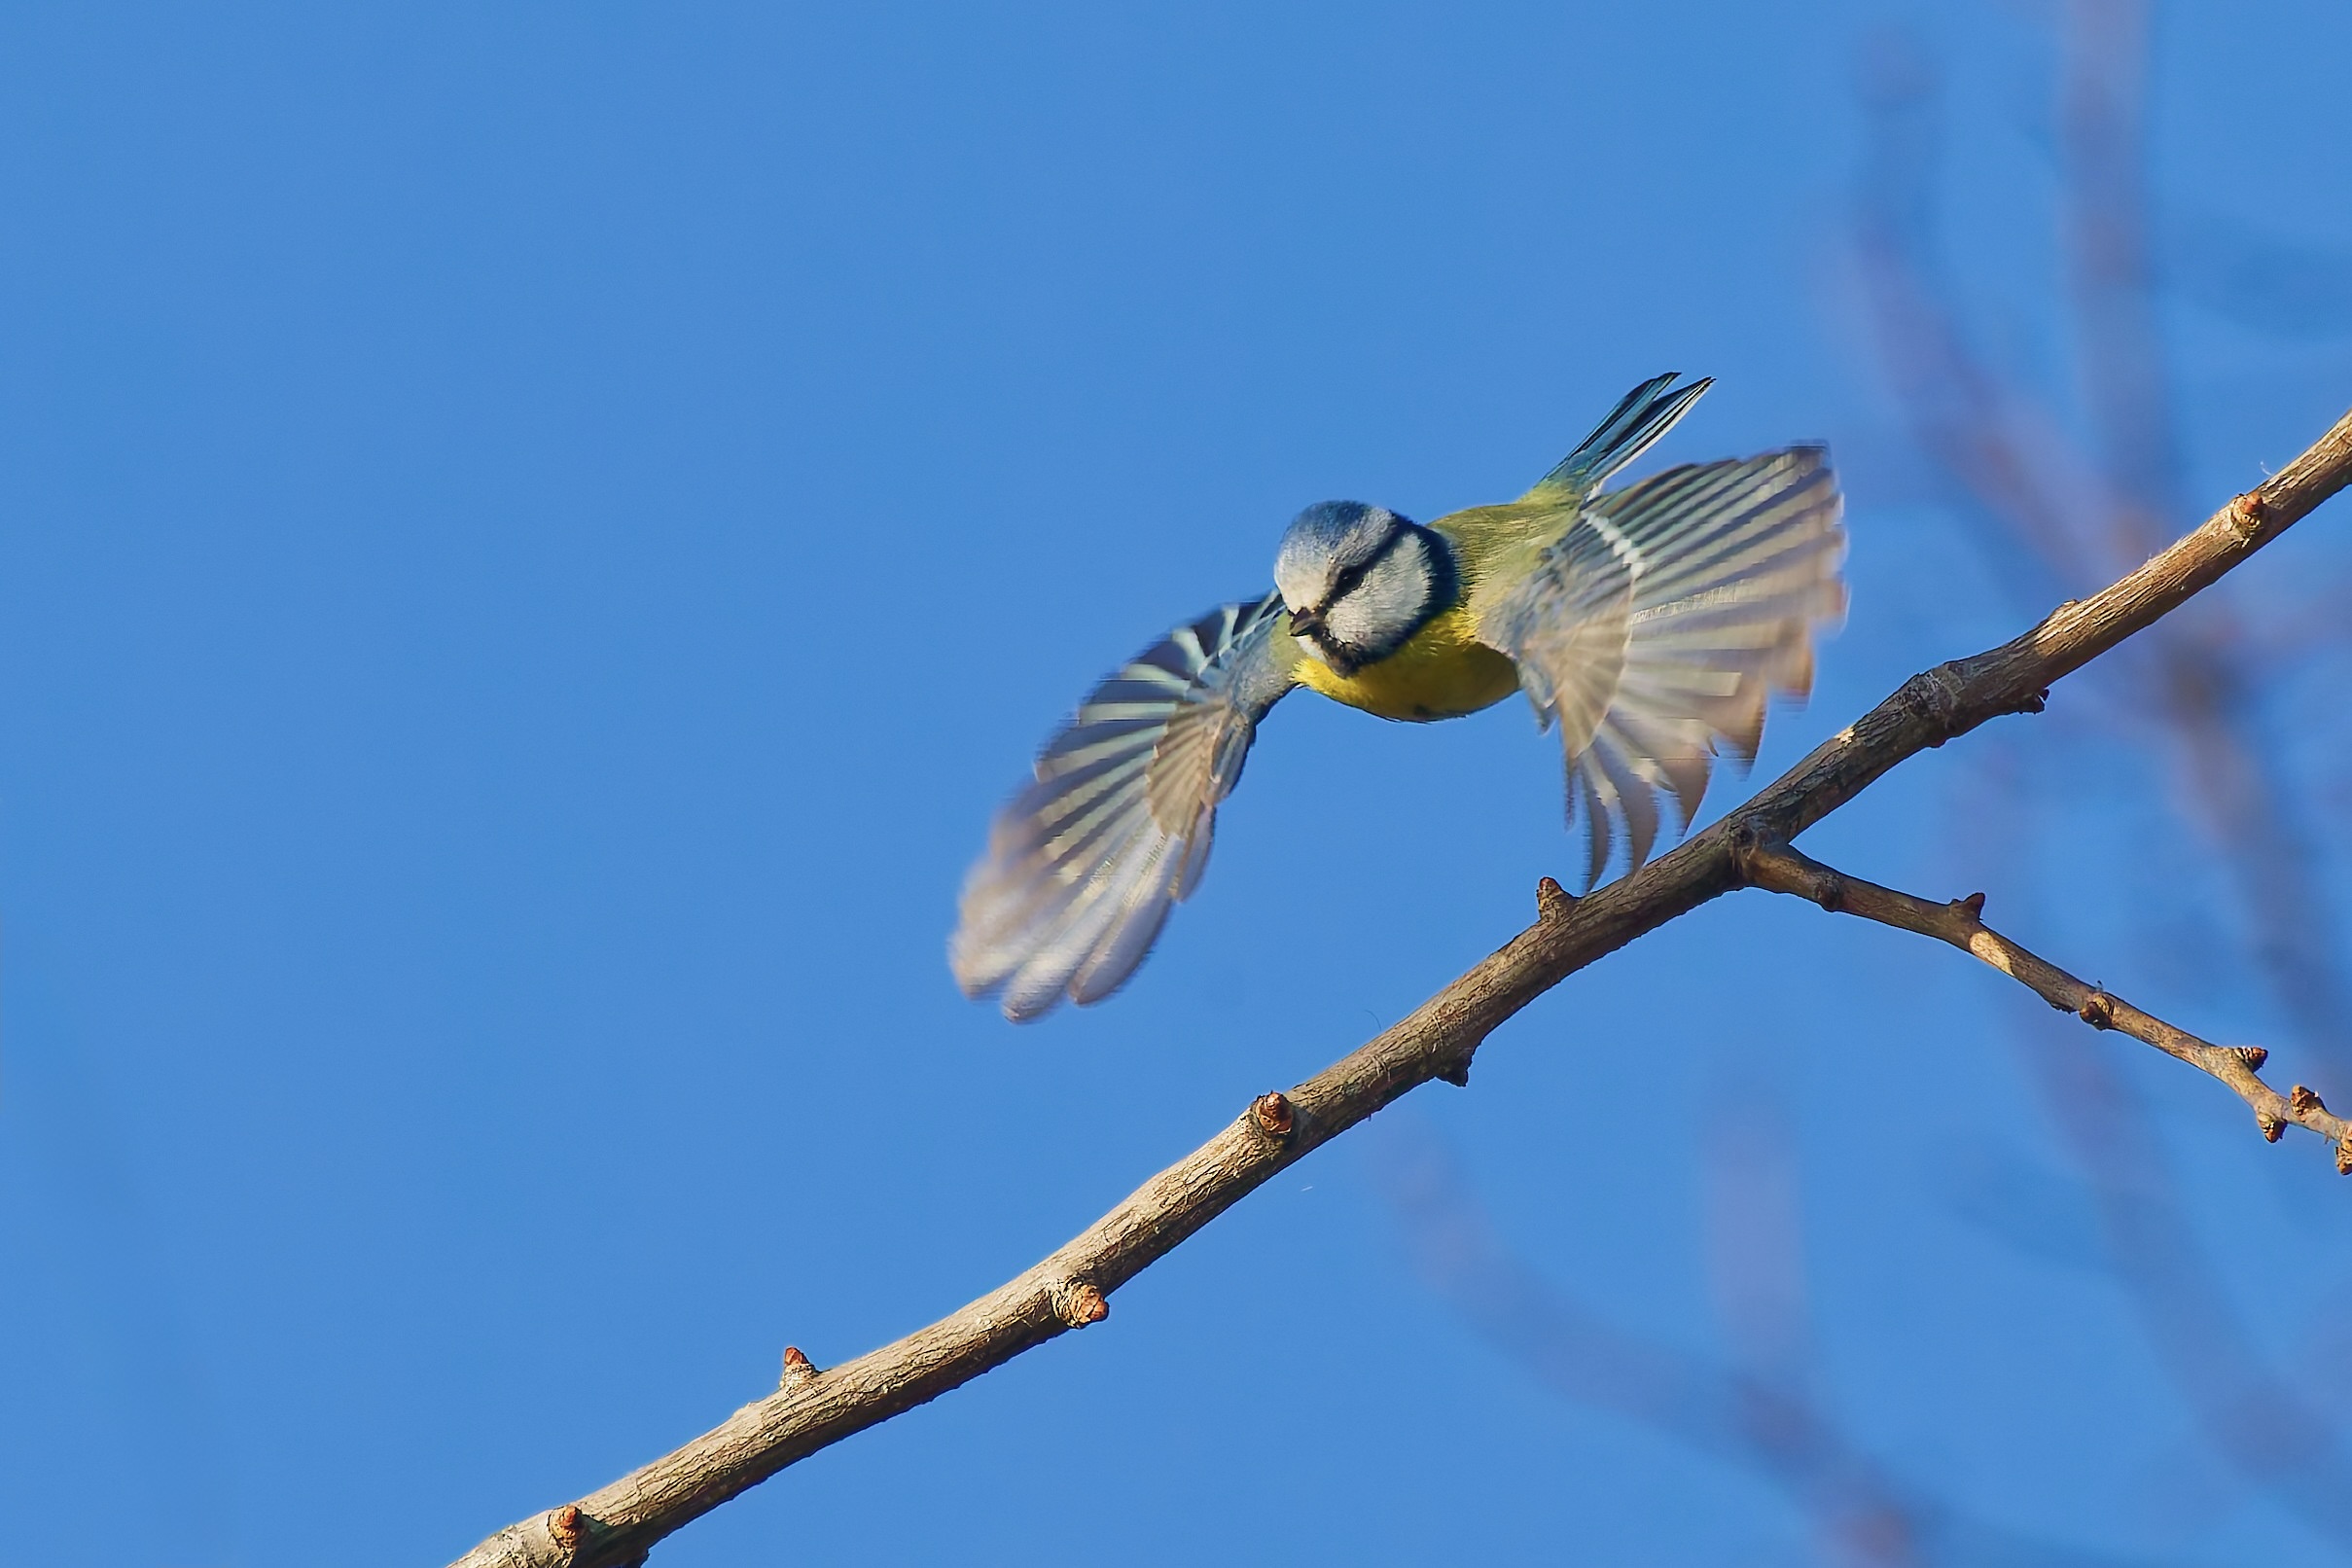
{"x":531,"y":540}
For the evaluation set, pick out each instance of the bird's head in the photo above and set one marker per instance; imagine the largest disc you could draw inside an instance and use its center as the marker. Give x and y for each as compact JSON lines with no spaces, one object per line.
{"x":1359,"y":581}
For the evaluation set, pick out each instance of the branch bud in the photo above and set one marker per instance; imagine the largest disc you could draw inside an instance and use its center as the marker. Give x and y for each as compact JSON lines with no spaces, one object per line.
{"x":1272,"y":1114}
{"x":1078,"y":1303}
{"x":569,"y":1526}
{"x":2245,"y":516}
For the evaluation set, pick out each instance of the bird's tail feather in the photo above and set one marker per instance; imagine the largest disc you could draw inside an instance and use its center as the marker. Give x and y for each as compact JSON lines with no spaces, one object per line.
{"x":1640,"y":417}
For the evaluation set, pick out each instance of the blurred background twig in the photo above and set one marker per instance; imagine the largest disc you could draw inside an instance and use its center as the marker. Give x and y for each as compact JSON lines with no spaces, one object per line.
{"x":2062,"y":487}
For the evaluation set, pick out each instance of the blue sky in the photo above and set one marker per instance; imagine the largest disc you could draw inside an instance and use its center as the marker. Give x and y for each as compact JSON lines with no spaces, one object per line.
{"x":533,"y":538}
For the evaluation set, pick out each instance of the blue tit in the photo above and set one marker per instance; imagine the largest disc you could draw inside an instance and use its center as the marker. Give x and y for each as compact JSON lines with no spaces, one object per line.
{"x":1650,"y":624}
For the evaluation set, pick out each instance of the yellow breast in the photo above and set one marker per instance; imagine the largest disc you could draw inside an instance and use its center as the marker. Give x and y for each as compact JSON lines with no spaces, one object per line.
{"x":1442,"y":673}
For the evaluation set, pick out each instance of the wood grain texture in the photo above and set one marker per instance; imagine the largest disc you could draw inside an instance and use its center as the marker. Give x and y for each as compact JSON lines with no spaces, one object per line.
{"x":620,"y":1523}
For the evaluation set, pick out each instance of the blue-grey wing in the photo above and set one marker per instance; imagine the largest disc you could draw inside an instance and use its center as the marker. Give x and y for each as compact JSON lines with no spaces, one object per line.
{"x":1083,"y":865}
{"x":1655,"y":630}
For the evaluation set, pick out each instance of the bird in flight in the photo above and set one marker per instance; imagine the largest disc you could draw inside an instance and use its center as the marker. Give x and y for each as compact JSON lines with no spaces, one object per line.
{"x":1649,"y":624}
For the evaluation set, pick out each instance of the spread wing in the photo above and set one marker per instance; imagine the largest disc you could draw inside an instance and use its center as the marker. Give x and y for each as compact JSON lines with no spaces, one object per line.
{"x":1655,"y":629}
{"x":1083,"y":865}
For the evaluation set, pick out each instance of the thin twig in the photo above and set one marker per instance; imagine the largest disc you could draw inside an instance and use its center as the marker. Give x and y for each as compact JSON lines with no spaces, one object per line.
{"x":2266,"y":1421}
{"x":1862,"y":1513}
{"x":620,"y":1523}
{"x":1961,"y":923}
{"x":1768,"y":1426}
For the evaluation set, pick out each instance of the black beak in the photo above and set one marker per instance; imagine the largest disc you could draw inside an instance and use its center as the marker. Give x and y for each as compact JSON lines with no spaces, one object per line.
{"x":1305,"y":622}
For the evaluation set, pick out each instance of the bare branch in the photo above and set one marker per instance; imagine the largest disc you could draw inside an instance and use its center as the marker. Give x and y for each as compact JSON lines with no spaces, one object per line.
{"x":1961,"y":923}
{"x":620,"y":1523}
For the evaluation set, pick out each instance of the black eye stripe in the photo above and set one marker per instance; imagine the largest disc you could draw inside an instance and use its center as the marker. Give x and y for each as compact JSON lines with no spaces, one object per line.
{"x":1443,"y":590}
{"x":1349,"y":577}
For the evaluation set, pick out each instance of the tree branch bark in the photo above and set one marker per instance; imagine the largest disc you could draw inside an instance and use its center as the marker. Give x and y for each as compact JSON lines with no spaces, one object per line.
{"x":1961,"y":922}
{"x":620,"y":1523}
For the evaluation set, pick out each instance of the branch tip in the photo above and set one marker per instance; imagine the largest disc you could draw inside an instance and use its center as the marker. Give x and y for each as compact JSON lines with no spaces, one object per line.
{"x":1079,"y":1303}
{"x":2303,"y":1101}
{"x":1272,"y":1113}
{"x":799,"y":1370}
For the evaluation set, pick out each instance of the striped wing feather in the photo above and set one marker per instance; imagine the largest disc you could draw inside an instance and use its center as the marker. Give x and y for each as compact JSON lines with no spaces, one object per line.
{"x":1084,"y":864}
{"x":1656,"y":629}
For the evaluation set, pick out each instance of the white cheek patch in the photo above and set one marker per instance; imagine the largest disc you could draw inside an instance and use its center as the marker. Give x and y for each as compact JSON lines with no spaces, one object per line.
{"x":1382,"y":610}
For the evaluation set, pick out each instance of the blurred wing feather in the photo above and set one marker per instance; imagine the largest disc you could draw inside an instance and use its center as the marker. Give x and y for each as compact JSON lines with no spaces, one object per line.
{"x":1083,"y":865}
{"x":1655,"y":630}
